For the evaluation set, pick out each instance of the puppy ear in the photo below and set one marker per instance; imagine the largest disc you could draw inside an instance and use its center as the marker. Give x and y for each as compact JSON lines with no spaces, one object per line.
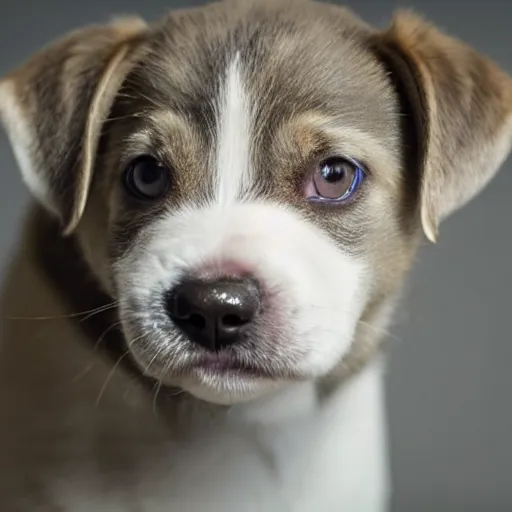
{"x":53,"y":107}
{"x":461,"y":103}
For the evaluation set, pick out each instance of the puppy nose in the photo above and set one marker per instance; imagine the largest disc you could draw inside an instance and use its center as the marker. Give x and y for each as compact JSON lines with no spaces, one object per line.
{"x":217,"y":313}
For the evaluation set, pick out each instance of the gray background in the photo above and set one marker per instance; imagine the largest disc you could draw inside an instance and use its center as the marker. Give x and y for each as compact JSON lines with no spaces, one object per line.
{"x":449,"y":380}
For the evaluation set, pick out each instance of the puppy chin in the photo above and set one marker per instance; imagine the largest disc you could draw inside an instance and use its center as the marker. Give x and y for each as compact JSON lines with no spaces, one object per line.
{"x":227,"y":390}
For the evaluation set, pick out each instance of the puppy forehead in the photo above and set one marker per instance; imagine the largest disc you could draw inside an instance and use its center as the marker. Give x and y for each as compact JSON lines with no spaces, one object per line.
{"x":260,"y":64}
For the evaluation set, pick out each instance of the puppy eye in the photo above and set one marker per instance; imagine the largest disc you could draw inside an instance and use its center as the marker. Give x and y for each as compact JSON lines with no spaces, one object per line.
{"x":145,"y":178}
{"x":334,"y":180}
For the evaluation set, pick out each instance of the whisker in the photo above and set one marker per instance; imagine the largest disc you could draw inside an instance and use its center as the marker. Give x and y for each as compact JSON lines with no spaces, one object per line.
{"x":99,"y":310}
{"x":104,"y":333}
{"x":158,"y":385}
{"x":89,"y":367}
{"x":82,"y":374}
{"x":129,"y":388}
{"x":153,"y":359}
{"x":156,"y":389}
{"x":114,"y":368}
{"x":89,"y":312}
{"x":109,"y":377}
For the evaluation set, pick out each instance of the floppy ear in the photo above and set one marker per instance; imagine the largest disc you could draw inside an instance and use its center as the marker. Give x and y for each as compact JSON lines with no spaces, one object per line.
{"x":53,"y":107}
{"x":461,"y":103}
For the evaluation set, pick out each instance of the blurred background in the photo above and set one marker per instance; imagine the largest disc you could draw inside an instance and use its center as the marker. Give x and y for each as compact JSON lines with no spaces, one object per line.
{"x":449,"y":379}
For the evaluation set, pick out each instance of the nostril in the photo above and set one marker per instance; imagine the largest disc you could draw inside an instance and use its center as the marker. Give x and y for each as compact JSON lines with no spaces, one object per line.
{"x":234,"y":321}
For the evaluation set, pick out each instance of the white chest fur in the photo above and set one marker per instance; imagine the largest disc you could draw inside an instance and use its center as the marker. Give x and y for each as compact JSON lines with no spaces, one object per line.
{"x":63,"y":450}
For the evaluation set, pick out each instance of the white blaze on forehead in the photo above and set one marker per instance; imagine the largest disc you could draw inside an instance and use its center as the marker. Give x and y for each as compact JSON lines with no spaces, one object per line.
{"x":233,"y":155}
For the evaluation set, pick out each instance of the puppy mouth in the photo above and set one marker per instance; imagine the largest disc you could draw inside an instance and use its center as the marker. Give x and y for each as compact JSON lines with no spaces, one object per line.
{"x":224,"y":363}
{"x":168,"y":351}
{"x":247,"y":363}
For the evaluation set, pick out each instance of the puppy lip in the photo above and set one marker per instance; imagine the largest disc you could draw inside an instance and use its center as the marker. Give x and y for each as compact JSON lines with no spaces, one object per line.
{"x":219,"y":362}
{"x":222,"y":363}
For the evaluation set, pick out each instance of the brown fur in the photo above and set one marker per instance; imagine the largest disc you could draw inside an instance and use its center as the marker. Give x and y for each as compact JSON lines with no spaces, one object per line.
{"x":461,"y":102}
{"x":72,"y":83}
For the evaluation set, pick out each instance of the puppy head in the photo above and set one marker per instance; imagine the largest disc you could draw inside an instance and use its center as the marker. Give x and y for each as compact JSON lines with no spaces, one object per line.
{"x":251,"y":181}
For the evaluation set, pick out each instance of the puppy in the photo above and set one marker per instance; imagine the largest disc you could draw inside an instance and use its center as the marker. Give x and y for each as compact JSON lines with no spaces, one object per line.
{"x":227,"y":203}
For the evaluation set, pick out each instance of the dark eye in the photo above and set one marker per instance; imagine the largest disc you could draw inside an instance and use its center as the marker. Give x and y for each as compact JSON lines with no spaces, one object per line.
{"x":334,"y":180}
{"x":145,"y":178}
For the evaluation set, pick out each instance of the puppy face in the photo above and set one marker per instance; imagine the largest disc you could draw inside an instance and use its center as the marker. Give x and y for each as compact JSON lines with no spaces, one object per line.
{"x":243,"y":191}
{"x":252,"y":181}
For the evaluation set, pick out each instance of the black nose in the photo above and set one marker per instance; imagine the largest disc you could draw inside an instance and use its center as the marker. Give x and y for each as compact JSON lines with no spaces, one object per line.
{"x":214,"y":314}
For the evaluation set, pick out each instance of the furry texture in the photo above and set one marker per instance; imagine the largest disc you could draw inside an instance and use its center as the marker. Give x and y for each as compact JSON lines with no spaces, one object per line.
{"x":241,"y":102}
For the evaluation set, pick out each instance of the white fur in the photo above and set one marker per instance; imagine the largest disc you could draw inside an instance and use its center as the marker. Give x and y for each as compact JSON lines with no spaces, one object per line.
{"x":19,"y":129}
{"x":321,"y":288}
{"x":233,"y":161}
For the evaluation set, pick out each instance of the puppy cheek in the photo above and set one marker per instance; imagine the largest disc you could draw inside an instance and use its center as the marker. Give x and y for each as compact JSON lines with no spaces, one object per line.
{"x":323,"y":290}
{"x":331,"y":304}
